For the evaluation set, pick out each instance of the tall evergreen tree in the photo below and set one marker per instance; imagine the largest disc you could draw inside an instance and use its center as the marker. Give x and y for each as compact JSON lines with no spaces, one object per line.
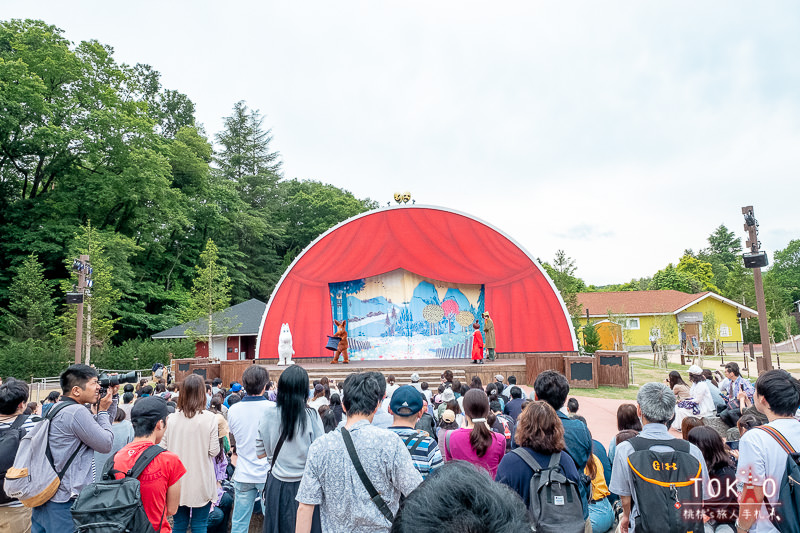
{"x":722,"y":253}
{"x":31,"y":308}
{"x":247,"y":162}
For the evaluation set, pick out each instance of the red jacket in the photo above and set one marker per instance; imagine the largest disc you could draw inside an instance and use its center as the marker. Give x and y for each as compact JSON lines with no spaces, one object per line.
{"x":477,"y":345}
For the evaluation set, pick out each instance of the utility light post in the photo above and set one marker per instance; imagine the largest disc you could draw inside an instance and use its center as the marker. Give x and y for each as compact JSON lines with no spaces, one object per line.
{"x":755,"y":259}
{"x":84,"y":270}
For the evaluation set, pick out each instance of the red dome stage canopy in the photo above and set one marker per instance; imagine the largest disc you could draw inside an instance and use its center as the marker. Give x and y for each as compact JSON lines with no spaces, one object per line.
{"x":432,"y":242}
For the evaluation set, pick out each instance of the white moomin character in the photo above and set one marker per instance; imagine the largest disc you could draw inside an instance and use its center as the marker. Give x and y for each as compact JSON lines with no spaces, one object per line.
{"x":285,"y":349}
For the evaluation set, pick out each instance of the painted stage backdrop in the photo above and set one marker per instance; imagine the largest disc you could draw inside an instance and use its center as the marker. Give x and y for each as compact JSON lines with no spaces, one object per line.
{"x":400,"y":315}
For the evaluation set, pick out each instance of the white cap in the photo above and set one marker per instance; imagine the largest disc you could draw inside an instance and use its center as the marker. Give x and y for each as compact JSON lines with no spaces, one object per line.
{"x":414,"y":377}
{"x":448,"y":395}
{"x":694,"y":369}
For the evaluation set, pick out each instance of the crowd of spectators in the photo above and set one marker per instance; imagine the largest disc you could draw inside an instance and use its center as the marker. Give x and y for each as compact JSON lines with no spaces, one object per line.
{"x":375,"y":453}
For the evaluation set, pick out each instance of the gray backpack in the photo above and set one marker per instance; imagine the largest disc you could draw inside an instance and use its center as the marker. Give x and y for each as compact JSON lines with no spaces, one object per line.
{"x":33,"y":478}
{"x":554,"y":503}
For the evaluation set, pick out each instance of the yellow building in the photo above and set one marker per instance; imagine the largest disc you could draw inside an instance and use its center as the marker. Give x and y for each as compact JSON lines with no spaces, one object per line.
{"x":644,"y":315}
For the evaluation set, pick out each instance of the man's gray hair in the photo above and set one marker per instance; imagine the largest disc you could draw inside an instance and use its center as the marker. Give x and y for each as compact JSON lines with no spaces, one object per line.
{"x":657,"y":402}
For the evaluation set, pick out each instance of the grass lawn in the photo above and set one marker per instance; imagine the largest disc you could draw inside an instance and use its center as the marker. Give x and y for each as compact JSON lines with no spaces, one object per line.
{"x":645,"y":372}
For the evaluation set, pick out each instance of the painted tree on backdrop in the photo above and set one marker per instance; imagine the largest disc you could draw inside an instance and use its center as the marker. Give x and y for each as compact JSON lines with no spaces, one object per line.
{"x":31,"y":310}
{"x":211,"y":293}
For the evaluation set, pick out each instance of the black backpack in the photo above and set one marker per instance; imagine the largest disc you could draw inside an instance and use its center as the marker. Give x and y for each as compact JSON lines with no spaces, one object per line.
{"x":554,"y":501}
{"x":115,"y":505}
{"x":668,"y":496}
{"x":787,"y":513}
{"x":9,"y":443}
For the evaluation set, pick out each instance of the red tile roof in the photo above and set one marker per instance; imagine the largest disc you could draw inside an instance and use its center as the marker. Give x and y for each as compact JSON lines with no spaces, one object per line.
{"x":635,"y":302}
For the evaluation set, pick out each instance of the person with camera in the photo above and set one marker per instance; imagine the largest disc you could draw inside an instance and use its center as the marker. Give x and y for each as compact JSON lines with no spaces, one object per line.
{"x":75,"y":431}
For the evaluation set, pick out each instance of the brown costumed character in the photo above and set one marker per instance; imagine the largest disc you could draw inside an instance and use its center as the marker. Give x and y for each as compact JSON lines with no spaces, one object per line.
{"x":342,"y":348}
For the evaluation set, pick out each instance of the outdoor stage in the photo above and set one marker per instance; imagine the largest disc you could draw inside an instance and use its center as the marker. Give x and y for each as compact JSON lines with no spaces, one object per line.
{"x":429,"y":370}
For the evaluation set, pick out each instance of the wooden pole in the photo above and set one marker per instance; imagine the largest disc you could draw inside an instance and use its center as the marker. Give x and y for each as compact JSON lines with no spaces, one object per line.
{"x":84,"y":259}
{"x":763,"y":326}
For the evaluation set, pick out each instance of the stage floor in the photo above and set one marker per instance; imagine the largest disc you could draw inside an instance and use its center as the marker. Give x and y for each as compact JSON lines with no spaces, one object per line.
{"x":429,"y":370}
{"x":444,"y":364}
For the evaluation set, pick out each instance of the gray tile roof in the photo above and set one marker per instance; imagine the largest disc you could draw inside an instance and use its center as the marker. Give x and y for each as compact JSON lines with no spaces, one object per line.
{"x":248,"y":315}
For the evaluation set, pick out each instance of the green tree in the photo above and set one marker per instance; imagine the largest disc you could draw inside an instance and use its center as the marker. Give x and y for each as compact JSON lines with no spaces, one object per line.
{"x":591,"y":338}
{"x":211,"y":292}
{"x":723,"y":253}
{"x":673,"y":279}
{"x":666,"y":330}
{"x":626,"y":338}
{"x":310,"y":208}
{"x":31,"y":309}
{"x":101,"y":299}
{"x":710,"y":331}
{"x":253,"y":169}
{"x":785,"y":273}
{"x":699,"y":270}
{"x":562,"y":272}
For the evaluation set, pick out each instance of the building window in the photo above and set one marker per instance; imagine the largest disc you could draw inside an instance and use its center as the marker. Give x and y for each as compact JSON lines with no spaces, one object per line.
{"x":632,"y":323}
{"x":724,"y":330}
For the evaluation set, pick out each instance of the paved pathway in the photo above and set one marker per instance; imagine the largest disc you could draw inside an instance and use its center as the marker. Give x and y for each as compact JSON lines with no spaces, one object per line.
{"x":600,"y":415}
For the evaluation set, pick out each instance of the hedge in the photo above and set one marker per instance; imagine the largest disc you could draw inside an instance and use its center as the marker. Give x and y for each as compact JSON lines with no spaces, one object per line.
{"x":46,"y":359}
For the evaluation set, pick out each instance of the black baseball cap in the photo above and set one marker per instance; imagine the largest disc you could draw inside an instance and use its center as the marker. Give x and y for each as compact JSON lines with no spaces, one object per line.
{"x":154,"y":407}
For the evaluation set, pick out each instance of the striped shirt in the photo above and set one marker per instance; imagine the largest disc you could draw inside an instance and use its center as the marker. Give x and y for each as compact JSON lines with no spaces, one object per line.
{"x":423,"y":448}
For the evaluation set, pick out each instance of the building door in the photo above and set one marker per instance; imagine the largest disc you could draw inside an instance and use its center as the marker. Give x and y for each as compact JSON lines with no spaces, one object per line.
{"x":692,"y":338}
{"x":218,"y":351}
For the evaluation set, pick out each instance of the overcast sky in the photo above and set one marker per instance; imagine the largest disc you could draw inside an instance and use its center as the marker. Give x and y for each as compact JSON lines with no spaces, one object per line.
{"x":621,"y":132}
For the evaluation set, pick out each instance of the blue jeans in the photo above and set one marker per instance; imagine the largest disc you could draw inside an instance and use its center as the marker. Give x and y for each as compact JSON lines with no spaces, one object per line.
{"x":601,"y":514}
{"x":52,"y":517}
{"x":198,"y":519}
{"x":243,"y":500}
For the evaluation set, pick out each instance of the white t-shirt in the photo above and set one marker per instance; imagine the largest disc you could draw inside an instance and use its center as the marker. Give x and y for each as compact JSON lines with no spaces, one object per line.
{"x":243,"y":419}
{"x":390,"y":390}
{"x":702,"y":395}
{"x":319,"y":402}
{"x":762,"y":457}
